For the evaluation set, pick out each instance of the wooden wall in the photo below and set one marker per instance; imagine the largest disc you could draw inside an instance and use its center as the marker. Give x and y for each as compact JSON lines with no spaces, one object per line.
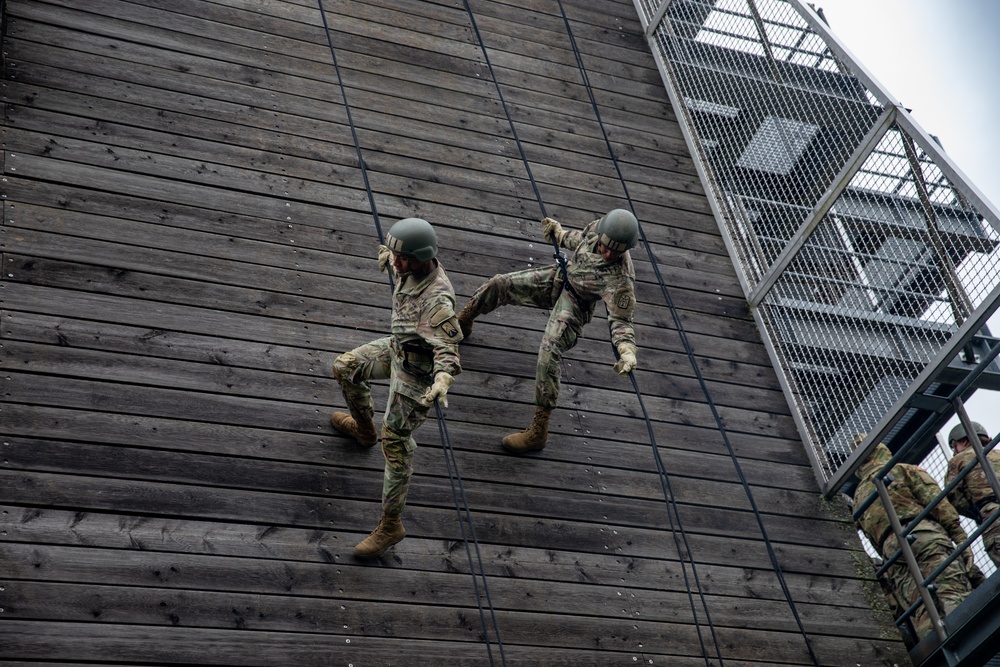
{"x":187,"y":244}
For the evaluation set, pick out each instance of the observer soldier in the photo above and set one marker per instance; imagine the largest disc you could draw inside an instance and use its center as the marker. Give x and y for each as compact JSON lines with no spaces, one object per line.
{"x":420,"y":359}
{"x":599,"y":268}
{"x":973,"y":496}
{"x":910,"y":490}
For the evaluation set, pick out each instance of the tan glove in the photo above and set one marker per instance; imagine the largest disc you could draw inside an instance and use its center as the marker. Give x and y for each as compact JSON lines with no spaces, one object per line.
{"x":438,"y":390}
{"x":552,"y":230}
{"x":626,"y":362}
{"x":384,"y":258}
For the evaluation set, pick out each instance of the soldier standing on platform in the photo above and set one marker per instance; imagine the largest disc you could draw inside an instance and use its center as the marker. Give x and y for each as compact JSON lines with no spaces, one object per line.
{"x":973,"y":496}
{"x":599,"y":269}
{"x":420,"y":359}
{"x":911,"y":489}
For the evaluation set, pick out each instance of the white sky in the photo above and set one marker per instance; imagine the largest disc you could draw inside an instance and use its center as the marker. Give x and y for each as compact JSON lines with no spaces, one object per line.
{"x":940,"y":59}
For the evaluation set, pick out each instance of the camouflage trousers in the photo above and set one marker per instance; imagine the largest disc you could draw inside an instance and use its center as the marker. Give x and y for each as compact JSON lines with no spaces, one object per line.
{"x":931,"y":547}
{"x":403,"y":412}
{"x":539,"y":287}
{"x":991,"y":536}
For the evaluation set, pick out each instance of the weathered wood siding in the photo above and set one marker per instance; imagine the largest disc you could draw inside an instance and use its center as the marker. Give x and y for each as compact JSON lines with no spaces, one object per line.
{"x":187,"y":244}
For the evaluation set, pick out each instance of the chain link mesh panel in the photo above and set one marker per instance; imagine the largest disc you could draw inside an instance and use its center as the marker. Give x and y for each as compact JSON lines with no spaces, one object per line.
{"x":883,"y":258}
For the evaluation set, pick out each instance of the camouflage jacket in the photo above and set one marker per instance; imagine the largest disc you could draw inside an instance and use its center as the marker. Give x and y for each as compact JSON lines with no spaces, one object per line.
{"x":593,"y":279}
{"x":974,"y":492}
{"x":910,"y":491}
{"x":424,"y":328}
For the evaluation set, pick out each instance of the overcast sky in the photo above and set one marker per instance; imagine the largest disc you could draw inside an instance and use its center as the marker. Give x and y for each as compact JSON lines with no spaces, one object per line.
{"x":941,"y":60}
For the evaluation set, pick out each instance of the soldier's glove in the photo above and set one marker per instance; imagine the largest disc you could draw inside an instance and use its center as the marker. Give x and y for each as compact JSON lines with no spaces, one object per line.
{"x":626,"y":359}
{"x":958,"y":535}
{"x":976,"y":576}
{"x":552,"y":230}
{"x":438,"y":390}
{"x":384,"y":258}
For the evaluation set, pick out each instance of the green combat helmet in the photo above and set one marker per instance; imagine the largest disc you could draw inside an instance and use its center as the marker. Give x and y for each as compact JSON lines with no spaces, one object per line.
{"x":413,"y":237}
{"x":958,"y":432}
{"x":618,"y":230}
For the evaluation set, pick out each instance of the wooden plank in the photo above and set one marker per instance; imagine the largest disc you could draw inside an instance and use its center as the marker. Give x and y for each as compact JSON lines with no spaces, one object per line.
{"x":692,"y":182}
{"x":620,"y":488}
{"x":477,"y":153}
{"x":192,"y":645}
{"x":100,"y":332}
{"x":311,"y":335}
{"x":259,"y":24}
{"x":192,"y":591}
{"x":683,"y":268}
{"x":177,"y":537}
{"x":675,"y":218}
{"x":126,"y":281}
{"x":264,"y":379}
{"x":516,"y":390}
{"x":708,"y":462}
{"x":260,"y":300}
{"x":296,"y":280}
{"x":483,"y":383}
{"x":77,"y":641}
{"x":498,"y":520}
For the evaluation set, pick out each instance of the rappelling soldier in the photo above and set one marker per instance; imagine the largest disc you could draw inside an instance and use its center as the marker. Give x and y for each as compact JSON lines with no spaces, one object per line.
{"x":973,"y":496}
{"x":911,"y":489}
{"x":599,"y":268}
{"x":420,"y":359}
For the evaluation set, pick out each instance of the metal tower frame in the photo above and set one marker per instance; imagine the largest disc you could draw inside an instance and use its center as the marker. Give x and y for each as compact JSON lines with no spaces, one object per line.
{"x":869,"y":260}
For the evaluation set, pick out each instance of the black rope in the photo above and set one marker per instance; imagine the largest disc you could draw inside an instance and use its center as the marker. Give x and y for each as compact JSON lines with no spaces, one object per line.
{"x":660,"y":466}
{"x":557,"y":253}
{"x":672,"y":512}
{"x":465,"y":519}
{"x":694,"y":363}
{"x":457,"y":489}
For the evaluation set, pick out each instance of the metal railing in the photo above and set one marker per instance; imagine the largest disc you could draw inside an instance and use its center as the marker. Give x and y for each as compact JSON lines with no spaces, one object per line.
{"x":925,"y":583}
{"x":869,"y":261}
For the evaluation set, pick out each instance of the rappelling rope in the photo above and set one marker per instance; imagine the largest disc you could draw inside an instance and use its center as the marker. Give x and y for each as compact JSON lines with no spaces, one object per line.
{"x":558,"y":254}
{"x":690,"y":354}
{"x":672,"y":512}
{"x":457,"y":489}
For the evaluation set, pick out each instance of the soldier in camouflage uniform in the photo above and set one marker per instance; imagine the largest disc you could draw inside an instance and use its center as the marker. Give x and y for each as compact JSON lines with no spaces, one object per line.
{"x":911,"y":489}
{"x":598,"y":269}
{"x":973,"y":496}
{"x":420,"y":359}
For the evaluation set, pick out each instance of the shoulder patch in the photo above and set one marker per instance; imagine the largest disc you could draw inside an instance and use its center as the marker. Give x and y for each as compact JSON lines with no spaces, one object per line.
{"x":451,"y":329}
{"x":442,"y":320}
{"x":440,"y":314}
{"x":623,"y":302}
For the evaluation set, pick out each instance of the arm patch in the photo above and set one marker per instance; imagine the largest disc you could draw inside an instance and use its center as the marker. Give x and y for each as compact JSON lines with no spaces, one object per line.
{"x":442,"y":320}
{"x":440,"y":314}
{"x":623,"y":303}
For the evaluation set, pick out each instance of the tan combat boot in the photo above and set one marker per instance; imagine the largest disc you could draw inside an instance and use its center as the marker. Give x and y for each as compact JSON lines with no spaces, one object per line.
{"x":466,"y":316}
{"x":389,"y":532}
{"x":364,"y":431}
{"x":532,"y":438}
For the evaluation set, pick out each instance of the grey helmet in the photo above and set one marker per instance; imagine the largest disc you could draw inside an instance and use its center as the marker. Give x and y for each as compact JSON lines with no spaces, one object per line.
{"x":413,"y":237}
{"x":618,"y":230}
{"x":958,"y":432}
